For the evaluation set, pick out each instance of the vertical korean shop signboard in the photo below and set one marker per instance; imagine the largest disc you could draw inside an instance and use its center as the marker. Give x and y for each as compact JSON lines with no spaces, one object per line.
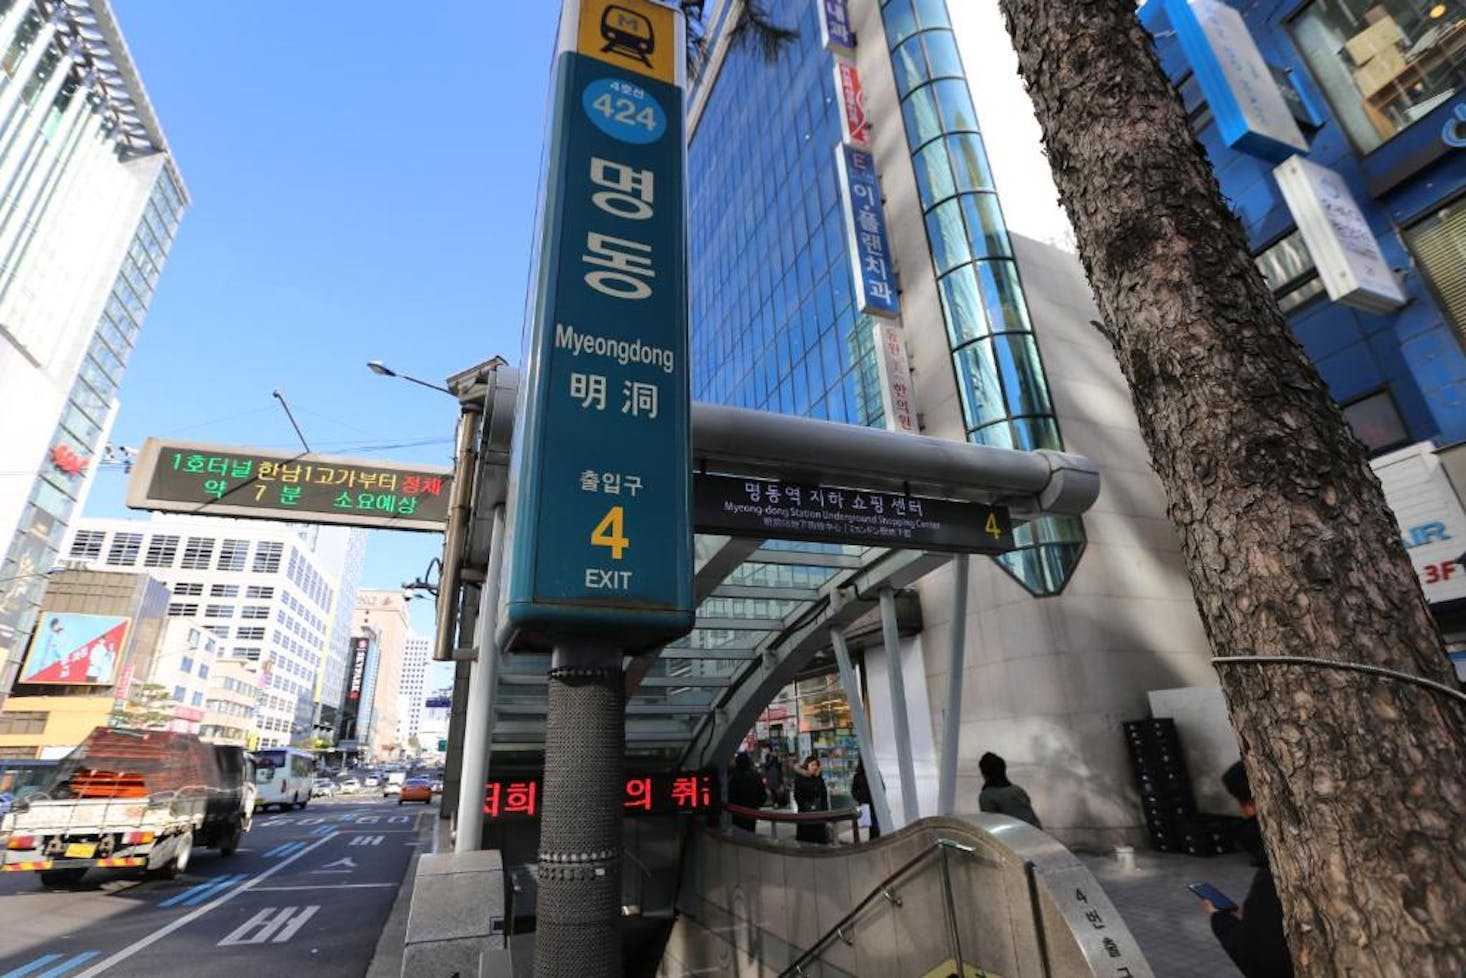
{"x":865,"y":225}
{"x":1251,"y":111}
{"x":601,"y":525}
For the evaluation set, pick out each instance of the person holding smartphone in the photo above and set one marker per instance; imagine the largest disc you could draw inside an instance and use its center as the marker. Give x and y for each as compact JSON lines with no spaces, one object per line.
{"x":1252,"y":935}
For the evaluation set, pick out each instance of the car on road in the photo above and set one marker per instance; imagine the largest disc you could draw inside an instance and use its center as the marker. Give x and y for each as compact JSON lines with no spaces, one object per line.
{"x":437,"y":784}
{"x":350,"y":786}
{"x":416,"y":789}
{"x":323,"y":788}
{"x":372,"y":781}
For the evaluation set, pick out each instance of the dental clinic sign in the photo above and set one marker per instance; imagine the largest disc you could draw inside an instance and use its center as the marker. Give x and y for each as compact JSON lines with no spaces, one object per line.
{"x":1350,"y":263}
{"x":600,"y":504}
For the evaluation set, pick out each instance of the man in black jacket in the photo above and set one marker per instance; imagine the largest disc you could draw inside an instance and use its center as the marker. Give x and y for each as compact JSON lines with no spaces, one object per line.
{"x":1253,"y":938}
{"x":746,"y":789}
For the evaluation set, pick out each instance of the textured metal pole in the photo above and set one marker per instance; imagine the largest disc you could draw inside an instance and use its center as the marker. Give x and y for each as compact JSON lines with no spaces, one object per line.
{"x":579,"y":907}
{"x":474,"y":774}
{"x":952,"y":720}
{"x":863,"y":736}
{"x":897,"y":682}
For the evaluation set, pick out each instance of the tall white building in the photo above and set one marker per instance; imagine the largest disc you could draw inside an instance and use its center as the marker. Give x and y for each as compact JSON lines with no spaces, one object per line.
{"x":413,"y":688}
{"x":91,"y":202}
{"x":258,"y":586}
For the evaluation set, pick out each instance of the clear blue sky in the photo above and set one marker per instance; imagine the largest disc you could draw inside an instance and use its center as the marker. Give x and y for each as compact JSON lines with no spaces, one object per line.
{"x":363,"y":180}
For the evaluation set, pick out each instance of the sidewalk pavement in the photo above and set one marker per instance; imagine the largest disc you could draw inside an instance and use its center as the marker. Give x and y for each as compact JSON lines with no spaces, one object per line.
{"x":1166,"y":919}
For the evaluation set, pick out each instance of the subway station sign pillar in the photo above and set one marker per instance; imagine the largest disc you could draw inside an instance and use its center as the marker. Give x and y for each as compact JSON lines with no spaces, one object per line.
{"x":600,"y":521}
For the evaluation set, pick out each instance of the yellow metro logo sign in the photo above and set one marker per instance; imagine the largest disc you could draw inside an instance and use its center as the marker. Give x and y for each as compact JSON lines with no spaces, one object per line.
{"x":635,"y":35}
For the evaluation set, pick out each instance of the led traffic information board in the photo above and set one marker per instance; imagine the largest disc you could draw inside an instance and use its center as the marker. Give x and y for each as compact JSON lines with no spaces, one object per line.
{"x":600,"y":514}
{"x":227,"y":480}
{"x":662,"y":793}
{"x":830,"y":514}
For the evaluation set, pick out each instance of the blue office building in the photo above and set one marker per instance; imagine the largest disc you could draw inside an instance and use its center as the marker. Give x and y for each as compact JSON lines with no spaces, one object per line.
{"x":1336,"y":129}
{"x":849,"y":261}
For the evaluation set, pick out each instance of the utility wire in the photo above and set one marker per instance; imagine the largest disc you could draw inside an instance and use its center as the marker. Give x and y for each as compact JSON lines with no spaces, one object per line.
{"x":1305,"y":660}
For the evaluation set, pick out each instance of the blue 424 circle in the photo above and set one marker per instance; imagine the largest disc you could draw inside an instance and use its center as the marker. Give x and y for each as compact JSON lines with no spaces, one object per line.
{"x":624,"y":111}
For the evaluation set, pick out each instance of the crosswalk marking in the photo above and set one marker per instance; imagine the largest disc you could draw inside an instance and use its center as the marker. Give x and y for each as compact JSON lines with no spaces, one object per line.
{"x":271,"y":925}
{"x":366,"y":840}
{"x":285,"y":849}
{"x":26,"y":969}
{"x":195,"y":895}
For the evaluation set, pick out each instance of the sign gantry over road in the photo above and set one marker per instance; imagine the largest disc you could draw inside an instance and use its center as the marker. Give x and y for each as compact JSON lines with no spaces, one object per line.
{"x":228,"y":480}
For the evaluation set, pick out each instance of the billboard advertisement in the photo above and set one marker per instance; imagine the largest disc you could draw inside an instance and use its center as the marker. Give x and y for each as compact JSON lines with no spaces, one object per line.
{"x":75,"y":649}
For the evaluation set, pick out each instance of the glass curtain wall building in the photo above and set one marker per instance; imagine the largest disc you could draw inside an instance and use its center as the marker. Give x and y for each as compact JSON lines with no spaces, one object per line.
{"x":776,"y":318}
{"x":91,"y":203}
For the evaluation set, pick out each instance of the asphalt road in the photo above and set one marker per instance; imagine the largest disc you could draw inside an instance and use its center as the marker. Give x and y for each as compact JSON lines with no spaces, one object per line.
{"x":308,"y":892}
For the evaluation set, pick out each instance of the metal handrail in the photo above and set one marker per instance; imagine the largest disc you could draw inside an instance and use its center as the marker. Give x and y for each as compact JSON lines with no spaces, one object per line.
{"x":779,"y":816}
{"x":883,"y":888}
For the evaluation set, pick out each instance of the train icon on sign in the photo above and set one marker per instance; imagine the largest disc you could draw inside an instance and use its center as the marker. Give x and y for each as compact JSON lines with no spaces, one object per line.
{"x":628,"y":33}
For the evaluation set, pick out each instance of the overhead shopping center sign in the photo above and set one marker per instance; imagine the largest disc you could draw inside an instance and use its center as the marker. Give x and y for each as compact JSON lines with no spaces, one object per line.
{"x":227,"y":480}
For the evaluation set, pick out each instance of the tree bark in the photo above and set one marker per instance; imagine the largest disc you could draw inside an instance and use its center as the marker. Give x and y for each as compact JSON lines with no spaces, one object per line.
{"x":1290,"y":548}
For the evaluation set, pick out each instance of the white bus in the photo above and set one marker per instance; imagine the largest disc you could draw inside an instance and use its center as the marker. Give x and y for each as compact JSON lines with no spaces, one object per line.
{"x":284,"y":776}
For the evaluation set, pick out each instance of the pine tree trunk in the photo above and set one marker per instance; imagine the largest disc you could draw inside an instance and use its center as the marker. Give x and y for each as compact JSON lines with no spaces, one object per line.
{"x":1290,"y":548}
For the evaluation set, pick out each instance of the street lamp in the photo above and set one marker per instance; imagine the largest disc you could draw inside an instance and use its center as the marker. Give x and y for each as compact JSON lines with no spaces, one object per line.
{"x":382,"y":370}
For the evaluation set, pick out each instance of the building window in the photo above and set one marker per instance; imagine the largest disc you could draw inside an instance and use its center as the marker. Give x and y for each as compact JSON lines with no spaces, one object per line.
{"x":179,"y":609}
{"x":1376,"y":422}
{"x":219,"y":611}
{"x":1439,"y":244}
{"x":250,"y":634}
{"x":197,"y":699}
{"x":255,"y":611}
{"x":232,"y":554}
{"x":267,"y":558}
{"x":197,"y":553}
{"x":124,"y":549}
{"x":188,"y":590}
{"x":161,"y":551}
{"x":180,"y":694}
{"x":224,"y":591}
{"x":265,"y":593}
{"x":23,"y":722}
{"x":1383,"y":66}
{"x":203,"y":670}
{"x":186,"y":664}
{"x":218,"y":631}
{"x":1289,"y":271}
{"x":88,"y":544}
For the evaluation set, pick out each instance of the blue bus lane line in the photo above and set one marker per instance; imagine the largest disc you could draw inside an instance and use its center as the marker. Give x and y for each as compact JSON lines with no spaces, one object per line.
{"x":56,"y":970}
{"x":195,"y":895}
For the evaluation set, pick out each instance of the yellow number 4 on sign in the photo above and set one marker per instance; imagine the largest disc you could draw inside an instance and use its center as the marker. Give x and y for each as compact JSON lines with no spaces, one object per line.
{"x":948,"y":969}
{"x":611,"y":532}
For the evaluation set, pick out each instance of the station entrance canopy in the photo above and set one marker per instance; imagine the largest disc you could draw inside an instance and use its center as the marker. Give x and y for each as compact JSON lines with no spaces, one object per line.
{"x":800,"y":525}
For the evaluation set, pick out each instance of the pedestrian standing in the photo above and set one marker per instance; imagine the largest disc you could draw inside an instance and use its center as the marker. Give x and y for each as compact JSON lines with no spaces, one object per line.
{"x":1001,"y":795}
{"x":774,"y":779}
{"x":811,"y":795}
{"x":860,"y":791}
{"x":746,"y":790}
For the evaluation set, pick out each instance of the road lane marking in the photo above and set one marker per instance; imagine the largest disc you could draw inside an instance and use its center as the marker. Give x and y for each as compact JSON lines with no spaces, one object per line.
{"x":285,"y":849}
{"x":345,"y":861}
{"x":323,"y":886}
{"x":26,"y":969}
{"x":323,"y":830}
{"x":66,"y":966}
{"x":366,"y":840}
{"x":264,"y":928}
{"x":149,"y":940}
{"x":195,"y":895}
